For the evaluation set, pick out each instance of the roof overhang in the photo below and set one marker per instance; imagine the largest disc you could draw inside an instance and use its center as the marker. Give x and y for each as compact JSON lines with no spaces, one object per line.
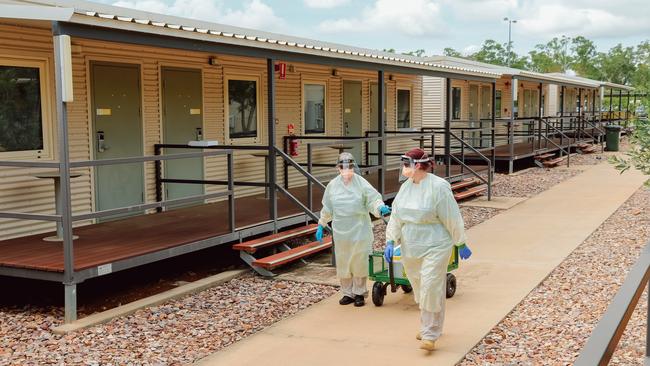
{"x":111,"y":23}
{"x":35,"y":12}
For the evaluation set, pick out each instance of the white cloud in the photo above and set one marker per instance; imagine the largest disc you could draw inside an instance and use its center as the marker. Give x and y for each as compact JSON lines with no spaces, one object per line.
{"x":325,"y":4}
{"x":470,"y":49}
{"x":407,"y":17}
{"x":480,"y":10}
{"x":254,"y":14}
{"x":549,"y":20}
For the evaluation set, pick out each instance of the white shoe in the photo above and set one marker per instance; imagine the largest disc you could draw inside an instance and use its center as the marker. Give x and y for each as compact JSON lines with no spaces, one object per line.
{"x":428,"y":345}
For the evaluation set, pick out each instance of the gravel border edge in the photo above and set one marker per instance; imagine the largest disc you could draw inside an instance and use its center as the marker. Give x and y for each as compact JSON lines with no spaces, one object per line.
{"x":184,"y":290}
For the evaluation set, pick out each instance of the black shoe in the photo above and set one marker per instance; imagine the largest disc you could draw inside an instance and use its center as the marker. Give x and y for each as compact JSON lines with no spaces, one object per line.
{"x":346,"y":300}
{"x":359,"y":301}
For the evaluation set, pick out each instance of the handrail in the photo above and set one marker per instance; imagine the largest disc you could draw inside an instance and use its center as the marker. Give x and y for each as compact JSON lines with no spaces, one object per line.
{"x":568,"y":161}
{"x":483,"y":157}
{"x":299,"y":168}
{"x":608,"y":332}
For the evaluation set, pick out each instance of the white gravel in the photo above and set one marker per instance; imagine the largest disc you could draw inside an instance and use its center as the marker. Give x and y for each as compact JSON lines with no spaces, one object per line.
{"x":177,"y":332}
{"x":552,"y":324}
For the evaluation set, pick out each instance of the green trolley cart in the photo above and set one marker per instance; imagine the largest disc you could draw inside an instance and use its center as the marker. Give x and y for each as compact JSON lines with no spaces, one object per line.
{"x":392,"y":274}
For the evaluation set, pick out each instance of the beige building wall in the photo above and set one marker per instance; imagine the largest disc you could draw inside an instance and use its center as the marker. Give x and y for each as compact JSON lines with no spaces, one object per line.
{"x":19,"y":191}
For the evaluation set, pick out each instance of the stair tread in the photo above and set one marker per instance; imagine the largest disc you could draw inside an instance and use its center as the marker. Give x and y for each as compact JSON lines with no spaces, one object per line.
{"x":293,"y":254}
{"x":252,"y":246}
{"x":544,"y":156}
{"x":470,"y":192}
{"x":464,"y":183}
{"x":554,"y":162}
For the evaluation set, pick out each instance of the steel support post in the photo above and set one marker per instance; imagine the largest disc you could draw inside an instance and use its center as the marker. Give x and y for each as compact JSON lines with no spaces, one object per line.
{"x":448,"y":111}
{"x":231,"y":188}
{"x":493,"y":152}
{"x":62,"y":56}
{"x":511,"y":130}
{"x":381,"y":128}
{"x":272,"y":176}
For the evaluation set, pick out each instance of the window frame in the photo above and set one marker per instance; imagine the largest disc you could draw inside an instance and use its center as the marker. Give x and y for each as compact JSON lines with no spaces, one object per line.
{"x":460,"y":103}
{"x":303,"y":121}
{"x":410,"y":126}
{"x":243,"y":76}
{"x":47,"y":120}
{"x":498,"y":101}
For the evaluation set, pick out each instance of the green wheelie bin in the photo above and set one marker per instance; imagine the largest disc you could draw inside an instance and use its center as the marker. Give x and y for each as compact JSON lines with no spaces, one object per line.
{"x":612,"y":137}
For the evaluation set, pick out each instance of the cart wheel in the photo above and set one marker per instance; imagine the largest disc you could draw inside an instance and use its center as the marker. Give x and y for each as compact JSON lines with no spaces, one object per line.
{"x":378,"y":294}
{"x":407,"y":289}
{"x":451,"y":285}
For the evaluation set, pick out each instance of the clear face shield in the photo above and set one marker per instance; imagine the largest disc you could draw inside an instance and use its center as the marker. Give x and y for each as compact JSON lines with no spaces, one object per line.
{"x":347,"y":166}
{"x":408,"y":165}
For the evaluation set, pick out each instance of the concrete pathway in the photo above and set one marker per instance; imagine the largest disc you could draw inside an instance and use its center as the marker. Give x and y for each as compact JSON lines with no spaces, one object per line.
{"x":513,"y":253}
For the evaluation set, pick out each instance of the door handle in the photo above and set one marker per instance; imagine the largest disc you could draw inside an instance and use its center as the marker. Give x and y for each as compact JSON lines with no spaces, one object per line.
{"x":199,"y":134}
{"x":101,"y":142}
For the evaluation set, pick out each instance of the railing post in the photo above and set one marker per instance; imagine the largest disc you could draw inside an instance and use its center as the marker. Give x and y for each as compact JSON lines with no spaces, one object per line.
{"x":273,"y":204}
{"x":309,"y":186}
{"x":231,"y":196}
{"x":62,"y":57}
{"x":448,"y":112}
{"x":285,"y":165}
{"x":158,"y":174}
{"x":381,"y":145}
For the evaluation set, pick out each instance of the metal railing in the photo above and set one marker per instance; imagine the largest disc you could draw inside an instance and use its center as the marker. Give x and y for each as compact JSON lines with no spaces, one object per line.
{"x":604,"y":339}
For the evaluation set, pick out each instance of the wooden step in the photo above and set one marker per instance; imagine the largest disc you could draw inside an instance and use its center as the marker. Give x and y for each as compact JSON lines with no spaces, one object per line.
{"x":588,"y":150}
{"x":464,"y":184}
{"x":553,"y":162}
{"x":544,"y":156}
{"x":252,"y":246}
{"x":474,"y":191}
{"x":292,"y":255}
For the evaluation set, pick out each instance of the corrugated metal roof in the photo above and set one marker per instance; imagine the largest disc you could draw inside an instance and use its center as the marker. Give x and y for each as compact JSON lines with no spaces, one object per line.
{"x":510,"y":71}
{"x":598,"y":82}
{"x":118,"y":17}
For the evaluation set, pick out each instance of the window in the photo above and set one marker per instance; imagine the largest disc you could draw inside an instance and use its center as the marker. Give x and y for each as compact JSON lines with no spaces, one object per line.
{"x":497,"y":104}
{"x":21,"y":109}
{"x":455,"y":103}
{"x":314,"y":100}
{"x":403,"y":108}
{"x":242,"y":108}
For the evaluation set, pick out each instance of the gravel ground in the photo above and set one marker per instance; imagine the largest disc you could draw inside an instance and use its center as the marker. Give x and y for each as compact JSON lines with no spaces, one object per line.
{"x":530,"y":182}
{"x":552,"y":324}
{"x":177,"y":332}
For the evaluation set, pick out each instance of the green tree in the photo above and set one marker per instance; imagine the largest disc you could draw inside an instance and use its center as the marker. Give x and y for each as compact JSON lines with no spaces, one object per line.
{"x":639,"y":154}
{"x":641,"y":77}
{"x":617,"y":65}
{"x":492,"y":52}
{"x":418,"y":53}
{"x":448,"y":51}
{"x":553,"y":56}
{"x":584,"y":58}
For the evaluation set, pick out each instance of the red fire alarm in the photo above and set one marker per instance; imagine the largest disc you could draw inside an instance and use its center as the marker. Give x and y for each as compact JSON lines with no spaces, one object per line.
{"x":282,"y":68}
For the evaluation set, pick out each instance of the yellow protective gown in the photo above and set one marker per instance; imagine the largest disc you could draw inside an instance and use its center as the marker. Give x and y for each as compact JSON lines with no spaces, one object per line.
{"x":347,"y":206}
{"x":426,"y":221}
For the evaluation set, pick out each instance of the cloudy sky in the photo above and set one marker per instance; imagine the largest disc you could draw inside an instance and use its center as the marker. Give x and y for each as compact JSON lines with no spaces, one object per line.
{"x":429,"y":24}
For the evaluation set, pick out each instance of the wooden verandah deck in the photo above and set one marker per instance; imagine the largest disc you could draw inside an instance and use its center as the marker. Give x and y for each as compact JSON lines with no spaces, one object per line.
{"x":110,"y":246}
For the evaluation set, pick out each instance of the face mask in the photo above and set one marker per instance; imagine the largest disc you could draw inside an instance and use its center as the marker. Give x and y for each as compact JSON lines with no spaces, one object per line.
{"x":346,"y":173}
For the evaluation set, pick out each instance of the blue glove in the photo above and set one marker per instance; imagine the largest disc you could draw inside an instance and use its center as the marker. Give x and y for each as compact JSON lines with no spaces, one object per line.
{"x":388,"y":252}
{"x":319,"y":233}
{"x":464,"y":252}
{"x":384,"y":210}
